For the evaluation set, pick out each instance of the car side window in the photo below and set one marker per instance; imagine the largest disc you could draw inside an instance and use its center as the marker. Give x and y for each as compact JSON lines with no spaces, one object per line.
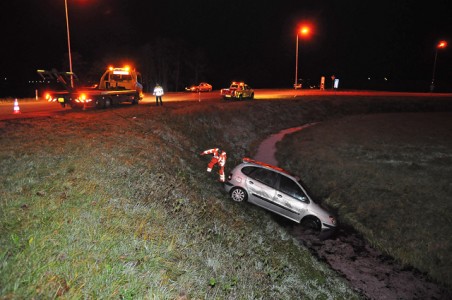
{"x":265,"y":176}
{"x":289,"y":187}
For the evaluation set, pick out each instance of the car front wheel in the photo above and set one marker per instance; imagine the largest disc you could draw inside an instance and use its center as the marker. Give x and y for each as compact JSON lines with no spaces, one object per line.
{"x":238,"y":194}
{"x":311,"y":223}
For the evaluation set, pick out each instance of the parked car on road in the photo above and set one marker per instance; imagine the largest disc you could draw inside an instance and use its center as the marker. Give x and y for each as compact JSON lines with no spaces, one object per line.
{"x":202,"y":87}
{"x":274,"y":189}
{"x":237,"y":90}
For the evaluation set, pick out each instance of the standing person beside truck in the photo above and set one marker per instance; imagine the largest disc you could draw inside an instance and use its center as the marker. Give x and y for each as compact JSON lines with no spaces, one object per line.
{"x":158,"y":92}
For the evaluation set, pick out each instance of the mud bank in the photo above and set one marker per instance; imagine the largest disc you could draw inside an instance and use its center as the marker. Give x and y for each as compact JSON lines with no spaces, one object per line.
{"x":267,"y":149}
{"x":371,"y":273}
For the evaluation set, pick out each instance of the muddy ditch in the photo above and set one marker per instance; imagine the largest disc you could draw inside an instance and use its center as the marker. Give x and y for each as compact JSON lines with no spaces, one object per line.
{"x":370,"y":272}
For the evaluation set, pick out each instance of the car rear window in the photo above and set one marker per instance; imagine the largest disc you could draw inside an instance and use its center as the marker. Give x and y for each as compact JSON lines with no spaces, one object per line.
{"x":247,"y":170}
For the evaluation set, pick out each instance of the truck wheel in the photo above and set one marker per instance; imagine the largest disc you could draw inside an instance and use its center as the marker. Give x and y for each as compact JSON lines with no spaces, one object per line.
{"x":100,"y":103}
{"x":107,"y":103}
{"x":135,"y":99}
{"x":252,"y":96}
{"x":240,"y":97}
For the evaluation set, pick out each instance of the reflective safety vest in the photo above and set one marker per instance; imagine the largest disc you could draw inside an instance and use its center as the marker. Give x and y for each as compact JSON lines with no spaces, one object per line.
{"x":222,"y":159}
{"x":158,"y":91}
{"x":213,"y":151}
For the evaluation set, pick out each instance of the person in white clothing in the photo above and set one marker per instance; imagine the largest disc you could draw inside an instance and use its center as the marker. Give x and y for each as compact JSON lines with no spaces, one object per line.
{"x":158,"y":93}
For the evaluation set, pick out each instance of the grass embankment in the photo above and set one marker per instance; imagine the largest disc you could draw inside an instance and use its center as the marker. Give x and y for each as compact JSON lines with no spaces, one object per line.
{"x":117,"y":204}
{"x":387,"y":175}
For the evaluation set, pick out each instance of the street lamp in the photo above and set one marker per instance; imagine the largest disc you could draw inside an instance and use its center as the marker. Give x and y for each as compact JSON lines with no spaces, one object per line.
{"x":69,"y":45}
{"x":305,"y":31}
{"x":440,"y":45}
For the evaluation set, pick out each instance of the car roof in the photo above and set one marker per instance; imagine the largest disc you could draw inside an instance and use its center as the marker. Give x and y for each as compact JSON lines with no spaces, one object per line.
{"x":269,"y":166}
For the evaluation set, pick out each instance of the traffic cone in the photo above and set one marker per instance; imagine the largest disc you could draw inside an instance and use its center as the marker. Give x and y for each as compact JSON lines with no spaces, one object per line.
{"x":16,"y":107}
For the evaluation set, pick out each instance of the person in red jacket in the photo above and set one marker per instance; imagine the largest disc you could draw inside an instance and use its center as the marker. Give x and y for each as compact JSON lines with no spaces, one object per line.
{"x":217,"y":158}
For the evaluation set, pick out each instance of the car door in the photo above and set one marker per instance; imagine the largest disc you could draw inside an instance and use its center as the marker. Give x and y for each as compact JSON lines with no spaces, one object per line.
{"x":290,"y":198}
{"x":260,"y":184}
{"x":246,"y":91}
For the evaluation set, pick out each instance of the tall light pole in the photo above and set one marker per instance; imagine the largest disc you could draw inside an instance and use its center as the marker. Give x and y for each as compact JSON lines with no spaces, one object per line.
{"x":69,"y":45}
{"x":305,"y":31}
{"x":440,"y":45}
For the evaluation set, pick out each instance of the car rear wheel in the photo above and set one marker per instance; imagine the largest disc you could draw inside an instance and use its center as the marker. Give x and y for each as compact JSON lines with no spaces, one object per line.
{"x":238,"y":194}
{"x":311,"y":223}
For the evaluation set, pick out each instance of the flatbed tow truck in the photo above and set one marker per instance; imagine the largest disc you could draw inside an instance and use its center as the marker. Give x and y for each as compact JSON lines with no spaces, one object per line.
{"x":117,"y":85}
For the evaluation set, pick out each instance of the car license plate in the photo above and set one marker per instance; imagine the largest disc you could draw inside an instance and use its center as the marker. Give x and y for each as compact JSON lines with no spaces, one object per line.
{"x":61,"y":100}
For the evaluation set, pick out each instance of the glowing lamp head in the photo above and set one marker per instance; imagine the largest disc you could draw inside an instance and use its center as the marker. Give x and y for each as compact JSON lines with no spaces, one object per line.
{"x":442,"y":44}
{"x":305,"y":30}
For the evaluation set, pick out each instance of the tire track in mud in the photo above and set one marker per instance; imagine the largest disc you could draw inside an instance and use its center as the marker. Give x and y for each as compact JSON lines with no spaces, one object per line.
{"x":371,"y":273}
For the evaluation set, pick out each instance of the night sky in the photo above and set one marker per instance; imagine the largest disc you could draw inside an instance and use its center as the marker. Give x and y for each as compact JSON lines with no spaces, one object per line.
{"x":243,"y":40}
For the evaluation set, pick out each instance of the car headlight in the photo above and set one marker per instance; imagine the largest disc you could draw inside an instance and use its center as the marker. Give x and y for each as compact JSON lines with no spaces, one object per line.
{"x":333,"y":220}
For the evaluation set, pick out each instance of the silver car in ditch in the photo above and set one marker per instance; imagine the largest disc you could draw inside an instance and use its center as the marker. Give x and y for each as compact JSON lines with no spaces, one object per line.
{"x":274,"y":189}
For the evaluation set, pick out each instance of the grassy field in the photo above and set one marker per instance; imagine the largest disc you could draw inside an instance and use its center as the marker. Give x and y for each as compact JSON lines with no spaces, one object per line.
{"x":387,"y":175}
{"x":117,"y":204}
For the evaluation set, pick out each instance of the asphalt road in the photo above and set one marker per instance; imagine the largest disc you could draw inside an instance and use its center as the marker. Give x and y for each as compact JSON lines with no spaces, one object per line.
{"x":30,"y":108}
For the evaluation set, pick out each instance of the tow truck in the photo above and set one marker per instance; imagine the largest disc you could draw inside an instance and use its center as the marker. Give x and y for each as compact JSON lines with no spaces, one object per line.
{"x":237,"y":90}
{"x":117,"y":85}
